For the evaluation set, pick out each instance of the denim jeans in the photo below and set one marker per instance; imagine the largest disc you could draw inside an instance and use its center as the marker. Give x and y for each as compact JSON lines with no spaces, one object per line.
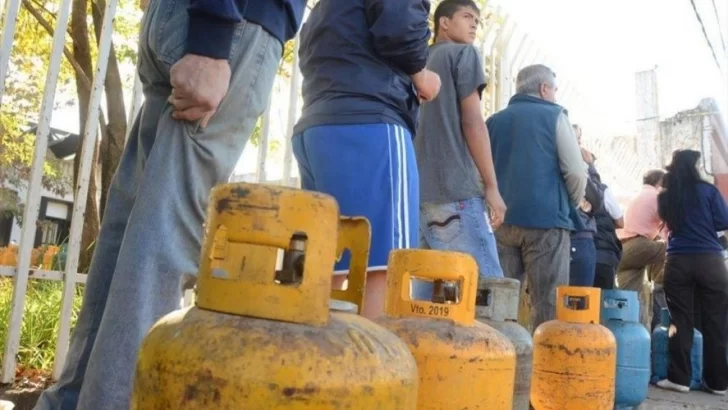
{"x":583,"y":262}
{"x":150,"y":238}
{"x":461,"y":226}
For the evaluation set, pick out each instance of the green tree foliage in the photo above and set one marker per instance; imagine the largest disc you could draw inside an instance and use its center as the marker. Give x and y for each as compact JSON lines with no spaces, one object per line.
{"x":29,"y":62}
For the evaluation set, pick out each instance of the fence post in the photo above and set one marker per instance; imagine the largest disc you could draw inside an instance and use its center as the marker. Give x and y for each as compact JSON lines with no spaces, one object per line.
{"x":292,"y":114}
{"x":32,"y":201}
{"x":263,"y":143}
{"x":135,"y":106}
{"x":81,"y":190}
{"x":11,"y":17}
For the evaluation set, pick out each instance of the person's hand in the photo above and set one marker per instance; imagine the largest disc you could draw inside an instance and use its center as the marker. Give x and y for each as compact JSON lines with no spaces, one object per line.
{"x":585,"y":205}
{"x":198,"y":86}
{"x":496,"y":205}
{"x":427,"y":84}
{"x":587,"y":156}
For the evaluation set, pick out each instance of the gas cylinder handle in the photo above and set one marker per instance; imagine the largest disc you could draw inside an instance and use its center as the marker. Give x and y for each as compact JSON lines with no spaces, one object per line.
{"x":246,"y":226}
{"x":616,"y":303}
{"x":355,"y":234}
{"x":578,"y":304}
{"x":404,"y":264}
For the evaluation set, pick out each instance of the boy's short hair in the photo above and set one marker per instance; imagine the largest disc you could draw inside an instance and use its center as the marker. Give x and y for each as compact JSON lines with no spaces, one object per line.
{"x":448,"y":8}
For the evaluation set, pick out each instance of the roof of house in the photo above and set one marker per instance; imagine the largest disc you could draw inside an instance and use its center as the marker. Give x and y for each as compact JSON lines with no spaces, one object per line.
{"x":63,"y":144}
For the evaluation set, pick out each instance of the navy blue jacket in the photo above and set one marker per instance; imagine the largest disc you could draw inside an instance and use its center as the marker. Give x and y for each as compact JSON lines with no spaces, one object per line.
{"x":213,"y":22}
{"x":523,"y":142}
{"x":585,"y":223}
{"x":356,"y":57}
{"x":706,"y":214}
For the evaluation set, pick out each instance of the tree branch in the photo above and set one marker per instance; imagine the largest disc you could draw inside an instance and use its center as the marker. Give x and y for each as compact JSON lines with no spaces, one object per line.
{"x":66,"y":52}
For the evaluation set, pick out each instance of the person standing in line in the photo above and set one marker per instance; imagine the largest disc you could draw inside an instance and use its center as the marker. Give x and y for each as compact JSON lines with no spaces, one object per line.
{"x":457,"y":177}
{"x":542,"y":177}
{"x":363,"y":65}
{"x":207,"y":68}
{"x":609,"y":249}
{"x":696,"y":278}
{"x":643,"y":256}
{"x":582,"y":267}
{"x":609,"y":218}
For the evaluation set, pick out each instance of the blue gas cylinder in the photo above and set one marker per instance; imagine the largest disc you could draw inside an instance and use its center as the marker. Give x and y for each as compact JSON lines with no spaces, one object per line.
{"x":661,"y":353}
{"x":620,"y":313}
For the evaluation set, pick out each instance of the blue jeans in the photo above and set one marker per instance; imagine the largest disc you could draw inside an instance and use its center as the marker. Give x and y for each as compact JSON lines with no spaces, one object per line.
{"x":461,"y":226}
{"x":149,"y":245}
{"x":583,"y":262}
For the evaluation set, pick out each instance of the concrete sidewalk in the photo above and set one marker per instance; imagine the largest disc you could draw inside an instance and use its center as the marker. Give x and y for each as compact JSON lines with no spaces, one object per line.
{"x":659,"y":399}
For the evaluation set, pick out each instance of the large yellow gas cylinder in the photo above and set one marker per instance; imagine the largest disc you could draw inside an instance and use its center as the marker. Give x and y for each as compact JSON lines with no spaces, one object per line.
{"x":574,"y":357}
{"x":261,"y":338}
{"x":463,"y":364}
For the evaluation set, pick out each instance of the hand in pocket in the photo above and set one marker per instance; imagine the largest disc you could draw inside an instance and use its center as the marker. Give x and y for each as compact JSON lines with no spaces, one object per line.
{"x":198,"y":86}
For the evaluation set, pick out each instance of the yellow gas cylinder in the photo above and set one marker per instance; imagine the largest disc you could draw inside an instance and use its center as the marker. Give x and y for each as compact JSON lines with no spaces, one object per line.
{"x":48,"y":257}
{"x":36,"y":256}
{"x":574,"y":357}
{"x":355,"y":234}
{"x":9,"y":256}
{"x":463,"y":364}
{"x":261,"y":338}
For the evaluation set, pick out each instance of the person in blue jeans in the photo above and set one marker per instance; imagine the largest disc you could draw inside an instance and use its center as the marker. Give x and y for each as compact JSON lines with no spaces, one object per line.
{"x":583,"y":262}
{"x":582,"y":268}
{"x":207,"y":68}
{"x":457,"y":176}
{"x":363,"y":65}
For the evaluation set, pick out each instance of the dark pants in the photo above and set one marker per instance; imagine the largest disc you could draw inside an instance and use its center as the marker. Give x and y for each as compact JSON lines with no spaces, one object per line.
{"x":702,"y":277}
{"x":583,"y":262}
{"x":604,"y":276}
{"x":539,"y":257}
{"x":639,"y":256}
{"x":659,"y":303}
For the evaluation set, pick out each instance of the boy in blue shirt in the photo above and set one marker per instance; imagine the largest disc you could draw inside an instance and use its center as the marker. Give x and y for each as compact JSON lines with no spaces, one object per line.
{"x":363,"y":65}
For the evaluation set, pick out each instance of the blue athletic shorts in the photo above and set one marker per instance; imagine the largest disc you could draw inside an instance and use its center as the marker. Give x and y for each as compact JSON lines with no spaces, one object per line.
{"x":371,"y":171}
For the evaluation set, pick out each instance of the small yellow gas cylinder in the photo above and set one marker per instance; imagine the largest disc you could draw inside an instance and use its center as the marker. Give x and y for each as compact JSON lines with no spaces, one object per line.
{"x":36,"y":257}
{"x":261,"y":338}
{"x":463,"y":364}
{"x":48,"y":257}
{"x":574,"y":357}
{"x":9,"y":256}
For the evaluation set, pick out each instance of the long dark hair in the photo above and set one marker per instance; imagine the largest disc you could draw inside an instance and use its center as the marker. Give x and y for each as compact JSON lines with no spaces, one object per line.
{"x":680,"y":188}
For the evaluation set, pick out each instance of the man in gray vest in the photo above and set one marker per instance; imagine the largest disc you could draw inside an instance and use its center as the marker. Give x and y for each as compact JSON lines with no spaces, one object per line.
{"x":542,"y":178}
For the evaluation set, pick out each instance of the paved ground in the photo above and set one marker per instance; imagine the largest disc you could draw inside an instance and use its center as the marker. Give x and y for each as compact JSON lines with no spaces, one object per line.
{"x":665,"y":400}
{"x":658,"y":400}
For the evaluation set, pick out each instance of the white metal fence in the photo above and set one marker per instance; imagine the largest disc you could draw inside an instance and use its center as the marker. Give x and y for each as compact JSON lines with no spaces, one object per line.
{"x":503,"y":49}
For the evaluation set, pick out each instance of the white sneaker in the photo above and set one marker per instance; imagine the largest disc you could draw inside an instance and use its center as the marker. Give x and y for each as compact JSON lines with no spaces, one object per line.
{"x":711,"y":391}
{"x":668,"y":385}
